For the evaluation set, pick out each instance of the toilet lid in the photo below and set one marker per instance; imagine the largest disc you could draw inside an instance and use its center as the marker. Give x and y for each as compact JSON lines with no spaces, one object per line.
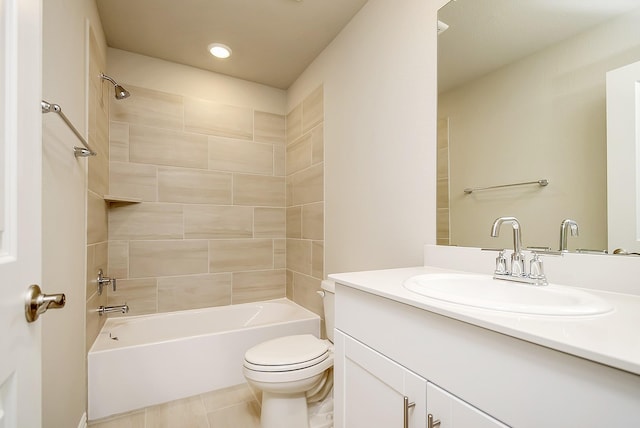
{"x":288,"y":350}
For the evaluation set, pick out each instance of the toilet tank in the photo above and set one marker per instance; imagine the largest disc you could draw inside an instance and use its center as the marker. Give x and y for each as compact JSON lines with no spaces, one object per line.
{"x":328,"y":301}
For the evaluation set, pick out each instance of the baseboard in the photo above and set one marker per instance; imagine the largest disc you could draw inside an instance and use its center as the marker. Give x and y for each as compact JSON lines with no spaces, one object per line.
{"x":83,"y":421}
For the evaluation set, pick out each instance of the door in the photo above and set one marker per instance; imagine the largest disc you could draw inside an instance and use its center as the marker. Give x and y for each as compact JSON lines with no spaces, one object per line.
{"x":20,"y":210}
{"x":623,"y":158}
{"x":371,"y":389}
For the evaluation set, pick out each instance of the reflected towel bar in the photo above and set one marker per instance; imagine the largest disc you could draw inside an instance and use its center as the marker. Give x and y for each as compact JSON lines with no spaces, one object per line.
{"x":542,"y":182}
{"x":77,"y":151}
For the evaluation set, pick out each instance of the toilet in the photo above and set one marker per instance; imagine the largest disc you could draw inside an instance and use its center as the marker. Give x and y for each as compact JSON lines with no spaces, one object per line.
{"x":293,"y":371}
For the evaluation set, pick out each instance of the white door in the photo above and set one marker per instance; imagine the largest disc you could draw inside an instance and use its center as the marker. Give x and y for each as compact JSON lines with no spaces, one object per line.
{"x":20,"y":210}
{"x":623,"y":158}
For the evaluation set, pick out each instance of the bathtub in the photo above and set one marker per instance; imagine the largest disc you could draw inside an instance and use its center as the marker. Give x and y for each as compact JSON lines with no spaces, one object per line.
{"x":140,"y":361}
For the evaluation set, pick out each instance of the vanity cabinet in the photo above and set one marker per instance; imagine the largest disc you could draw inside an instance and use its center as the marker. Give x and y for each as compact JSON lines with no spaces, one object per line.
{"x":464,"y":375}
{"x":373,"y":390}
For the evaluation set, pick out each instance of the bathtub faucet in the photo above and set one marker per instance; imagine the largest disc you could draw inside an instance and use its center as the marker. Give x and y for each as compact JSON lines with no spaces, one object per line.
{"x":109,"y":309}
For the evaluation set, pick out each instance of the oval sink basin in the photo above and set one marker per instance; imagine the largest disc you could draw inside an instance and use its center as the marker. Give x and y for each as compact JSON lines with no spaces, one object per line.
{"x":482,"y":291}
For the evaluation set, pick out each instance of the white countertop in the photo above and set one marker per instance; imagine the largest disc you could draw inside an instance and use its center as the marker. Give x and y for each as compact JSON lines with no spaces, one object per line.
{"x":612,"y":338}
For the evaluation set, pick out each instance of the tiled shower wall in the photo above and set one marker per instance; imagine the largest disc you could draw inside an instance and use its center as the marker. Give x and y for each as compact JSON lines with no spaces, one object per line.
{"x":98,"y":178}
{"x":210,"y":229}
{"x":305,"y":201}
{"x":442,"y":190}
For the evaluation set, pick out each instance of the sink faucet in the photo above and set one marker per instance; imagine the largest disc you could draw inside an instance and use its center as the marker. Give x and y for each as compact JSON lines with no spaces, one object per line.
{"x":566,"y":226}
{"x":517,"y":258}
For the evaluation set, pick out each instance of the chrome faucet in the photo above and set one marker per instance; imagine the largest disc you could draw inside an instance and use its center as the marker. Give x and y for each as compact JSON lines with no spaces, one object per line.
{"x":517,"y":258}
{"x":517,"y":272}
{"x":110,"y":309}
{"x":566,"y":226}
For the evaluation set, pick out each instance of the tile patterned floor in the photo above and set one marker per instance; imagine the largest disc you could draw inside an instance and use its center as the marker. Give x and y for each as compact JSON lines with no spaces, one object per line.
{"x":235,"y":407}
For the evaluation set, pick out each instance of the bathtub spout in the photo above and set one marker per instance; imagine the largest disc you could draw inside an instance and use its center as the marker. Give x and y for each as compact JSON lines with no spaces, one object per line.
{"x":109,"y":309}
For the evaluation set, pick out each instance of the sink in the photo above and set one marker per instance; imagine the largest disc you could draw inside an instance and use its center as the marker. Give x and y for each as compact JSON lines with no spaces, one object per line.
{"x":482,"y":291}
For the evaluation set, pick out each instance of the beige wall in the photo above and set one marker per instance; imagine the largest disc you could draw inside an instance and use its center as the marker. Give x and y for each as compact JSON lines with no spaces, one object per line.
{"x":211,"y":176}
{"x":65,"y":61}
{"x":379,"y":78}
{"x":542,"y":117}
{"x":305,"y":201}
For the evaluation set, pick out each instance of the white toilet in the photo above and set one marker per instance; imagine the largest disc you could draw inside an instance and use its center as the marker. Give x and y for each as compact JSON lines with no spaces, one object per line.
{"x":292,"y":370}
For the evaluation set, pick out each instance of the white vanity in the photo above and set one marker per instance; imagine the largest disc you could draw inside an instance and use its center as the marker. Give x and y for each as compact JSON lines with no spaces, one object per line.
{"x":472,"y":367}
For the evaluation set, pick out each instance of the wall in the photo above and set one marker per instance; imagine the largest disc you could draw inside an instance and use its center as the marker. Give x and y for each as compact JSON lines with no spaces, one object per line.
{"x":541,"y":117}
{"x":379,"y":78}
{"x":305,"y":201}
{"x":210,"y":229}
{"x":64,"y":208}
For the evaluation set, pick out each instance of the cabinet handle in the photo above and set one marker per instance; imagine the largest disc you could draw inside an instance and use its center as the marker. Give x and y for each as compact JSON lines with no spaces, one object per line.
{"x":407,"y":406}
{"x":431,"y":423}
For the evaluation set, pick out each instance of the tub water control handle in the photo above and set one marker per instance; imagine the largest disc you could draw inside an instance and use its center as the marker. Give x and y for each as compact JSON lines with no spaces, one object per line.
{"x":104,"y":280}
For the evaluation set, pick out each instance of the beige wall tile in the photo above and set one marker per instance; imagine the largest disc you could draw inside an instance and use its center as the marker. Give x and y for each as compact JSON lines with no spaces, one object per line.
{"x":98,"y":175}
{"x":269,"y":223}
{"x":240,"y":255}
{"x":279,"y":253}
{"x":442,"y":166}
{"x":167,"y":258}
{"x":269,"y":127}
{"x":289,"y":284}
{"x":100,"y":261}
{"x":294,"y":124}
{"x":240,"y":156}
{"x":307,"y":186}
{"x":167,"y":147}
{"x":90,"y":280}
{"x":313,"y":109}
{"x":294,"y":222}
{"x":217,"y":222}
{"x":317,"y":141}
{"x":442,"y":193}
{"x":299,"y":154}
{"x":305,"y":292}
{"x":299,"y":256}
{"x":279,"y":161}
{"x":207,"y":117}
{"x":148,"y":107}
{"x":141,"y":295}
{"x":133,"y":180}
{"x":317,"y":259}
{"x":258,"y":190}
{"x":194,"y":186}
{"x":192,"y":292}
{"x":118,"y":265}
{"x":146,"y":221}
{"x":118,"y":141}
{"x":96,"y":219}
{"x":258,"y":285}
{"x":313,"y":221}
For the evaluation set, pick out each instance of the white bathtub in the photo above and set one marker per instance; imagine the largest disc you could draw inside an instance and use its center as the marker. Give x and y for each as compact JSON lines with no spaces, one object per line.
{"x":141,"y":361}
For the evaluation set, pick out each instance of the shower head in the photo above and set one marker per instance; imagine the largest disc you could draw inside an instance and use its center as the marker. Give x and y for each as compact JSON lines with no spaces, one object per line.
{"x":121,"y":93}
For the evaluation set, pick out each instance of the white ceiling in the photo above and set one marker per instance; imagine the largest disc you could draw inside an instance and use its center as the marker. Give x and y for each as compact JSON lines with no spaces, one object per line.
{"x":485,"y":35}
{"x":273,"y":41}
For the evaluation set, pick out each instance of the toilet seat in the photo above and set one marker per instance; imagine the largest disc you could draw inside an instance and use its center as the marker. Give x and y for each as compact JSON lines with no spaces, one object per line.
{"x":287,"y":353}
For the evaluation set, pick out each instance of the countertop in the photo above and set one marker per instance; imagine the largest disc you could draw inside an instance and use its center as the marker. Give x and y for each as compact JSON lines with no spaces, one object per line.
{"x":611,"y":338}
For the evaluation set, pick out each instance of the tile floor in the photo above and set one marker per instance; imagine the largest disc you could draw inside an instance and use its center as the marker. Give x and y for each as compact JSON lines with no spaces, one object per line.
{"x":234,"y":407}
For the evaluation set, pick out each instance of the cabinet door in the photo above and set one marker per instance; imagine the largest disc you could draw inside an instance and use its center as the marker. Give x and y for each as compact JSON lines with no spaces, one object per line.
{"x":370,"y":389}
{"x":455,"y":413}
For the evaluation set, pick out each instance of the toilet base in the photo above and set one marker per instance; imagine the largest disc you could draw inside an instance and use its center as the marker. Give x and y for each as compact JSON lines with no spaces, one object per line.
{"x":284,"y":410}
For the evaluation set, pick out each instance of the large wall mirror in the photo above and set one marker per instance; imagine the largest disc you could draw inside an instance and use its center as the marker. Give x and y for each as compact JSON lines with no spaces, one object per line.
{"x":522,"y":98}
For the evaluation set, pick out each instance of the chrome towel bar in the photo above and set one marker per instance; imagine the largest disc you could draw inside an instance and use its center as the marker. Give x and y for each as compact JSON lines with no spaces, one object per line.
{"x":542,"y":182}
{"x":77,"y":151}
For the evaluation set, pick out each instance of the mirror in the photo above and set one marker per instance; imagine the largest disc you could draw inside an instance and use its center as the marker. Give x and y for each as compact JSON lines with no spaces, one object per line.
{"x":521,"y":97}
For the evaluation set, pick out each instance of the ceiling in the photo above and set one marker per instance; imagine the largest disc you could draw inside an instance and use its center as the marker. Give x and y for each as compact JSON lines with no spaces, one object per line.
{"x":273,"y":41}
{"x":485,"y":35}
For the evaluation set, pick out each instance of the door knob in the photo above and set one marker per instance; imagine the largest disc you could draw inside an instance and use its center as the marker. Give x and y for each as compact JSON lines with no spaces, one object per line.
{"x":37,"y":303}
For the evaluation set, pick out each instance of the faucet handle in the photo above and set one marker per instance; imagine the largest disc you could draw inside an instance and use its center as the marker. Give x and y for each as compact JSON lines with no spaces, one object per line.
{"x":501,"y":264}
{"x":536,"y":270}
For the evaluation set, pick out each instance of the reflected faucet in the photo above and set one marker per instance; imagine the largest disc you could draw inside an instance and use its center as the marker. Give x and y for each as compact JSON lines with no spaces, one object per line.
{"x":517,"y":258}
{"x":566,"y":226}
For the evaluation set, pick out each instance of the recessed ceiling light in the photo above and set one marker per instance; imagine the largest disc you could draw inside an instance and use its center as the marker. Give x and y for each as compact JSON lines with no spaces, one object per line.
{"x":219,"y":50}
